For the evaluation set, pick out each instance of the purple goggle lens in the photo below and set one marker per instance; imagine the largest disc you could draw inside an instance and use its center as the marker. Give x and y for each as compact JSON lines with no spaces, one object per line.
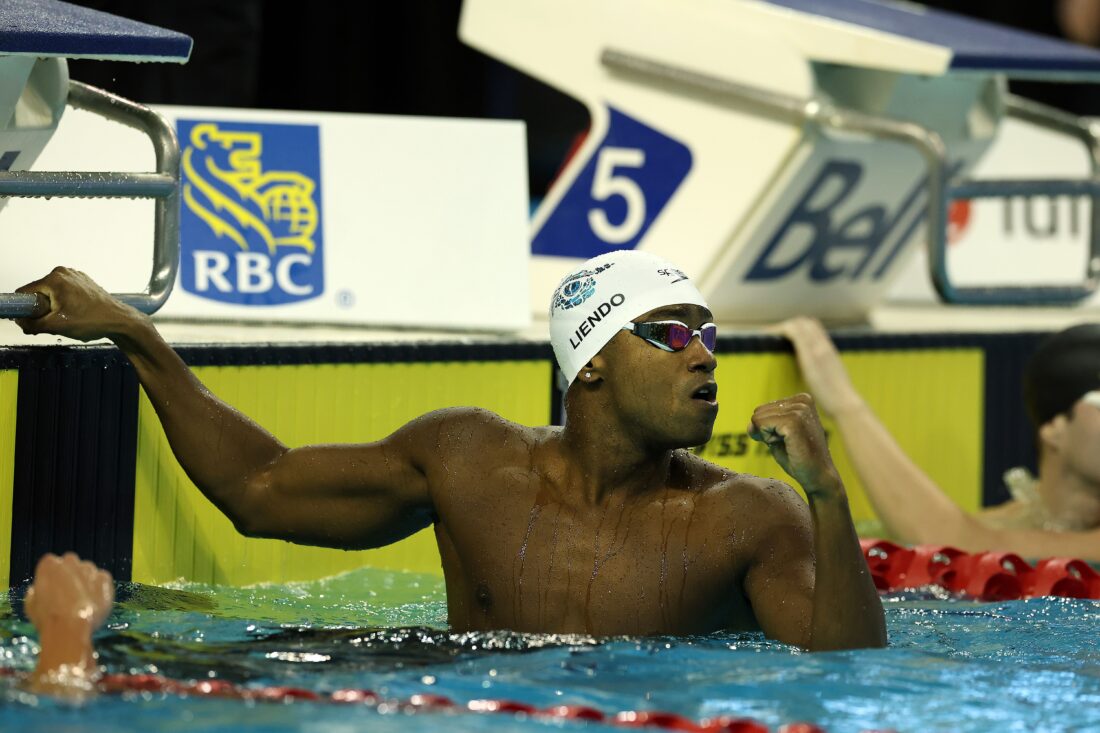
{"x":674,"y":335}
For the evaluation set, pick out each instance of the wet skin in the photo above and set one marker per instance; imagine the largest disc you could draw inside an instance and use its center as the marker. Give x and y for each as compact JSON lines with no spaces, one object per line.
{"x":605,"y":526}
{"x":524,"y":550}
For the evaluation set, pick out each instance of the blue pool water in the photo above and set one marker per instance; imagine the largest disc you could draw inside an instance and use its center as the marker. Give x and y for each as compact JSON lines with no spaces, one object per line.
{"x":951,"y":666}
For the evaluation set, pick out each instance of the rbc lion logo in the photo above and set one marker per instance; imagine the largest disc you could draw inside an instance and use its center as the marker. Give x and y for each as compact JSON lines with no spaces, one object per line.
{"x":250,"y":225}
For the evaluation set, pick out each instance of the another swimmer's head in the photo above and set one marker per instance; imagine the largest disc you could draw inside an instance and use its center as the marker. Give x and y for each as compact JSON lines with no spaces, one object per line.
{"x":1062,"y":395}
{"x":597,"y":299}
{"x":1064,"y":368}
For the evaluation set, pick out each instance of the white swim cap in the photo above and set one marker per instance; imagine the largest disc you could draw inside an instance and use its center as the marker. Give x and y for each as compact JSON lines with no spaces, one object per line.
{"x":593,"y":302}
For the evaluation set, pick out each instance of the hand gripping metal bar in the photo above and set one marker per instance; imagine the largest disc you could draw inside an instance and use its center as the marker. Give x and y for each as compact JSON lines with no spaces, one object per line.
{"x":163,"y":186}
{"x":931,"y":148}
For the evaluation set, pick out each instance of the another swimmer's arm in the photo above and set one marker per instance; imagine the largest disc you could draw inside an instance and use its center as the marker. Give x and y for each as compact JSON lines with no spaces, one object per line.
{"x":68,"y":600}
{"x":910,"y":504}
{"x":846,"y":612}
{"x":1036,"y":544}
{"x":914,"y":509}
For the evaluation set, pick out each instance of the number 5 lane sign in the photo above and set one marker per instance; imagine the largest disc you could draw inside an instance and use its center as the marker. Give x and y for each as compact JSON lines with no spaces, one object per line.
{"x":618,"y":194}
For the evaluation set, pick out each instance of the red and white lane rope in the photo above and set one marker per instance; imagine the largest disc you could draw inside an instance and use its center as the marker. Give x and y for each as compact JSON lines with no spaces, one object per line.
{"x":124,"y":684}
{"x":988,"y":576}
{"x":144,"y":684}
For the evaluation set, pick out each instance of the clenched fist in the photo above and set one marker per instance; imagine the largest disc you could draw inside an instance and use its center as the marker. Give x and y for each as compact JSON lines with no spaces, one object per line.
{"x":69,"y":592}
{"x":69,"y":600}
{"x":792,"y":431}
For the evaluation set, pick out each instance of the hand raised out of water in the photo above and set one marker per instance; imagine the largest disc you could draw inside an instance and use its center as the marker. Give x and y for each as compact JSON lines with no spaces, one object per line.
{"x":78,"y":307}
{"x":67,"y":602}
{"x":792,"y":431}
{"x":69,"y":593}
{"x":820,"y":364}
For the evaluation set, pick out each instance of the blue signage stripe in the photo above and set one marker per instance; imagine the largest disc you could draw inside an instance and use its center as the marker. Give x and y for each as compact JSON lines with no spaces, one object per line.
{"x":976,"y":45}
{"x":54,"y":28}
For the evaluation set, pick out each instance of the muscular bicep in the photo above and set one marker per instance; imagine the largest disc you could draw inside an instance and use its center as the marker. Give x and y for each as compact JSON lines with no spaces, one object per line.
{"x":780,"y":581}
{"x":351,"y":496}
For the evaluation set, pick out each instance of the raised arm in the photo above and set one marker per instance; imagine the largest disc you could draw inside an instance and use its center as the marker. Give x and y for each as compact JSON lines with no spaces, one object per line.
{"x":910,"y":504}
{"x":843,"y":610}
{"x":348,"y":496}
{"x":68,"y":600}
{"x":914,"y":509}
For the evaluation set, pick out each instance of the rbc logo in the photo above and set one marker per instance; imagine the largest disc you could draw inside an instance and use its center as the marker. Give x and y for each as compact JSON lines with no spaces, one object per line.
{"x":250,"y":224}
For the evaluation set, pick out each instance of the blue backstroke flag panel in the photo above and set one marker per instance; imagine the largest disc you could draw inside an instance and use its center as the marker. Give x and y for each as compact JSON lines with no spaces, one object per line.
{"x":975,"y":45}
{"x":53,"y":28}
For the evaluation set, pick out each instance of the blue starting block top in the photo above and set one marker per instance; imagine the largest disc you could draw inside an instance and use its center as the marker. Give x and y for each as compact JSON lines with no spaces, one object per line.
{"x":54,"y":28}
{"x":975,"y":45}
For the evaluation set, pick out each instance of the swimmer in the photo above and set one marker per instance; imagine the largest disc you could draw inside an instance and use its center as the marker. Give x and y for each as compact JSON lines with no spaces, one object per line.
{"x":68,"y":600}
{"x":1056,"y":515}
{"x":605,"y":526}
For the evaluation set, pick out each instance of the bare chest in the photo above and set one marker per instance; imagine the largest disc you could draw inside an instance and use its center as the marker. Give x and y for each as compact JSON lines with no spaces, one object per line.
{"x":528,"y":560}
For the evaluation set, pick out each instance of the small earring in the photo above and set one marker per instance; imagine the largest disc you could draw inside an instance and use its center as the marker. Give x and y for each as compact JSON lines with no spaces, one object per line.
{"x":588,"y":375}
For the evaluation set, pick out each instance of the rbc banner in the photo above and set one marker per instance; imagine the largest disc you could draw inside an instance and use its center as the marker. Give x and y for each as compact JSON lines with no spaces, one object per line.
{"x":618,"y":194}
{"x":303,"y":217}
{"x":250,"y":221}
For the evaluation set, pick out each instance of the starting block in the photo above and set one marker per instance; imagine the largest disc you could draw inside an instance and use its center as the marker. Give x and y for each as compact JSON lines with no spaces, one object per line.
{"x":787,"y":153}
{"x":36,"y":36}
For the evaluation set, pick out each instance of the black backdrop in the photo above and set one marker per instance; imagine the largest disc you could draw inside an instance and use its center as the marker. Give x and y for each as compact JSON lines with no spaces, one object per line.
{"x":401,"y":57}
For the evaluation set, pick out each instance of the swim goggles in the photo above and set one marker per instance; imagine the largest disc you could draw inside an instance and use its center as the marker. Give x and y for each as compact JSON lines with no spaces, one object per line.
{"x":673,"y":335}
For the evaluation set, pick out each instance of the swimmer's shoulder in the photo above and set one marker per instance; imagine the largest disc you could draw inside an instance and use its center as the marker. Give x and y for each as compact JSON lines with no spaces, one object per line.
{"x":468,"y":444}
{"x":744,"y":492}
{"x":463,"y":427}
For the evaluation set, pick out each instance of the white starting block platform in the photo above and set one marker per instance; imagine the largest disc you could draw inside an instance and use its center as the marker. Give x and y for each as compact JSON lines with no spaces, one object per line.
{"x":36,"y":36}
{"x":784,"y":153}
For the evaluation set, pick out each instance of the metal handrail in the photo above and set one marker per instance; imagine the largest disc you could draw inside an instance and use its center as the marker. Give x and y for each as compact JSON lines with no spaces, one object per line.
{"x":931,"y":148}
{"x":1057,"y":121}
{"x":163,"y":186}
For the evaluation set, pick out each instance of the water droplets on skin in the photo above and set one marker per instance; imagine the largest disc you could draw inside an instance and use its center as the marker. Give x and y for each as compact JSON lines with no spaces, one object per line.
{"x":544,"y":600}
{"x":521,"y":557}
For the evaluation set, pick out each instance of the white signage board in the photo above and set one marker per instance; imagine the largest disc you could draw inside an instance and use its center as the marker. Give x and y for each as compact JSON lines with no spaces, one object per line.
{"x":301,"y":217}
{"x":1034,"y":240}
